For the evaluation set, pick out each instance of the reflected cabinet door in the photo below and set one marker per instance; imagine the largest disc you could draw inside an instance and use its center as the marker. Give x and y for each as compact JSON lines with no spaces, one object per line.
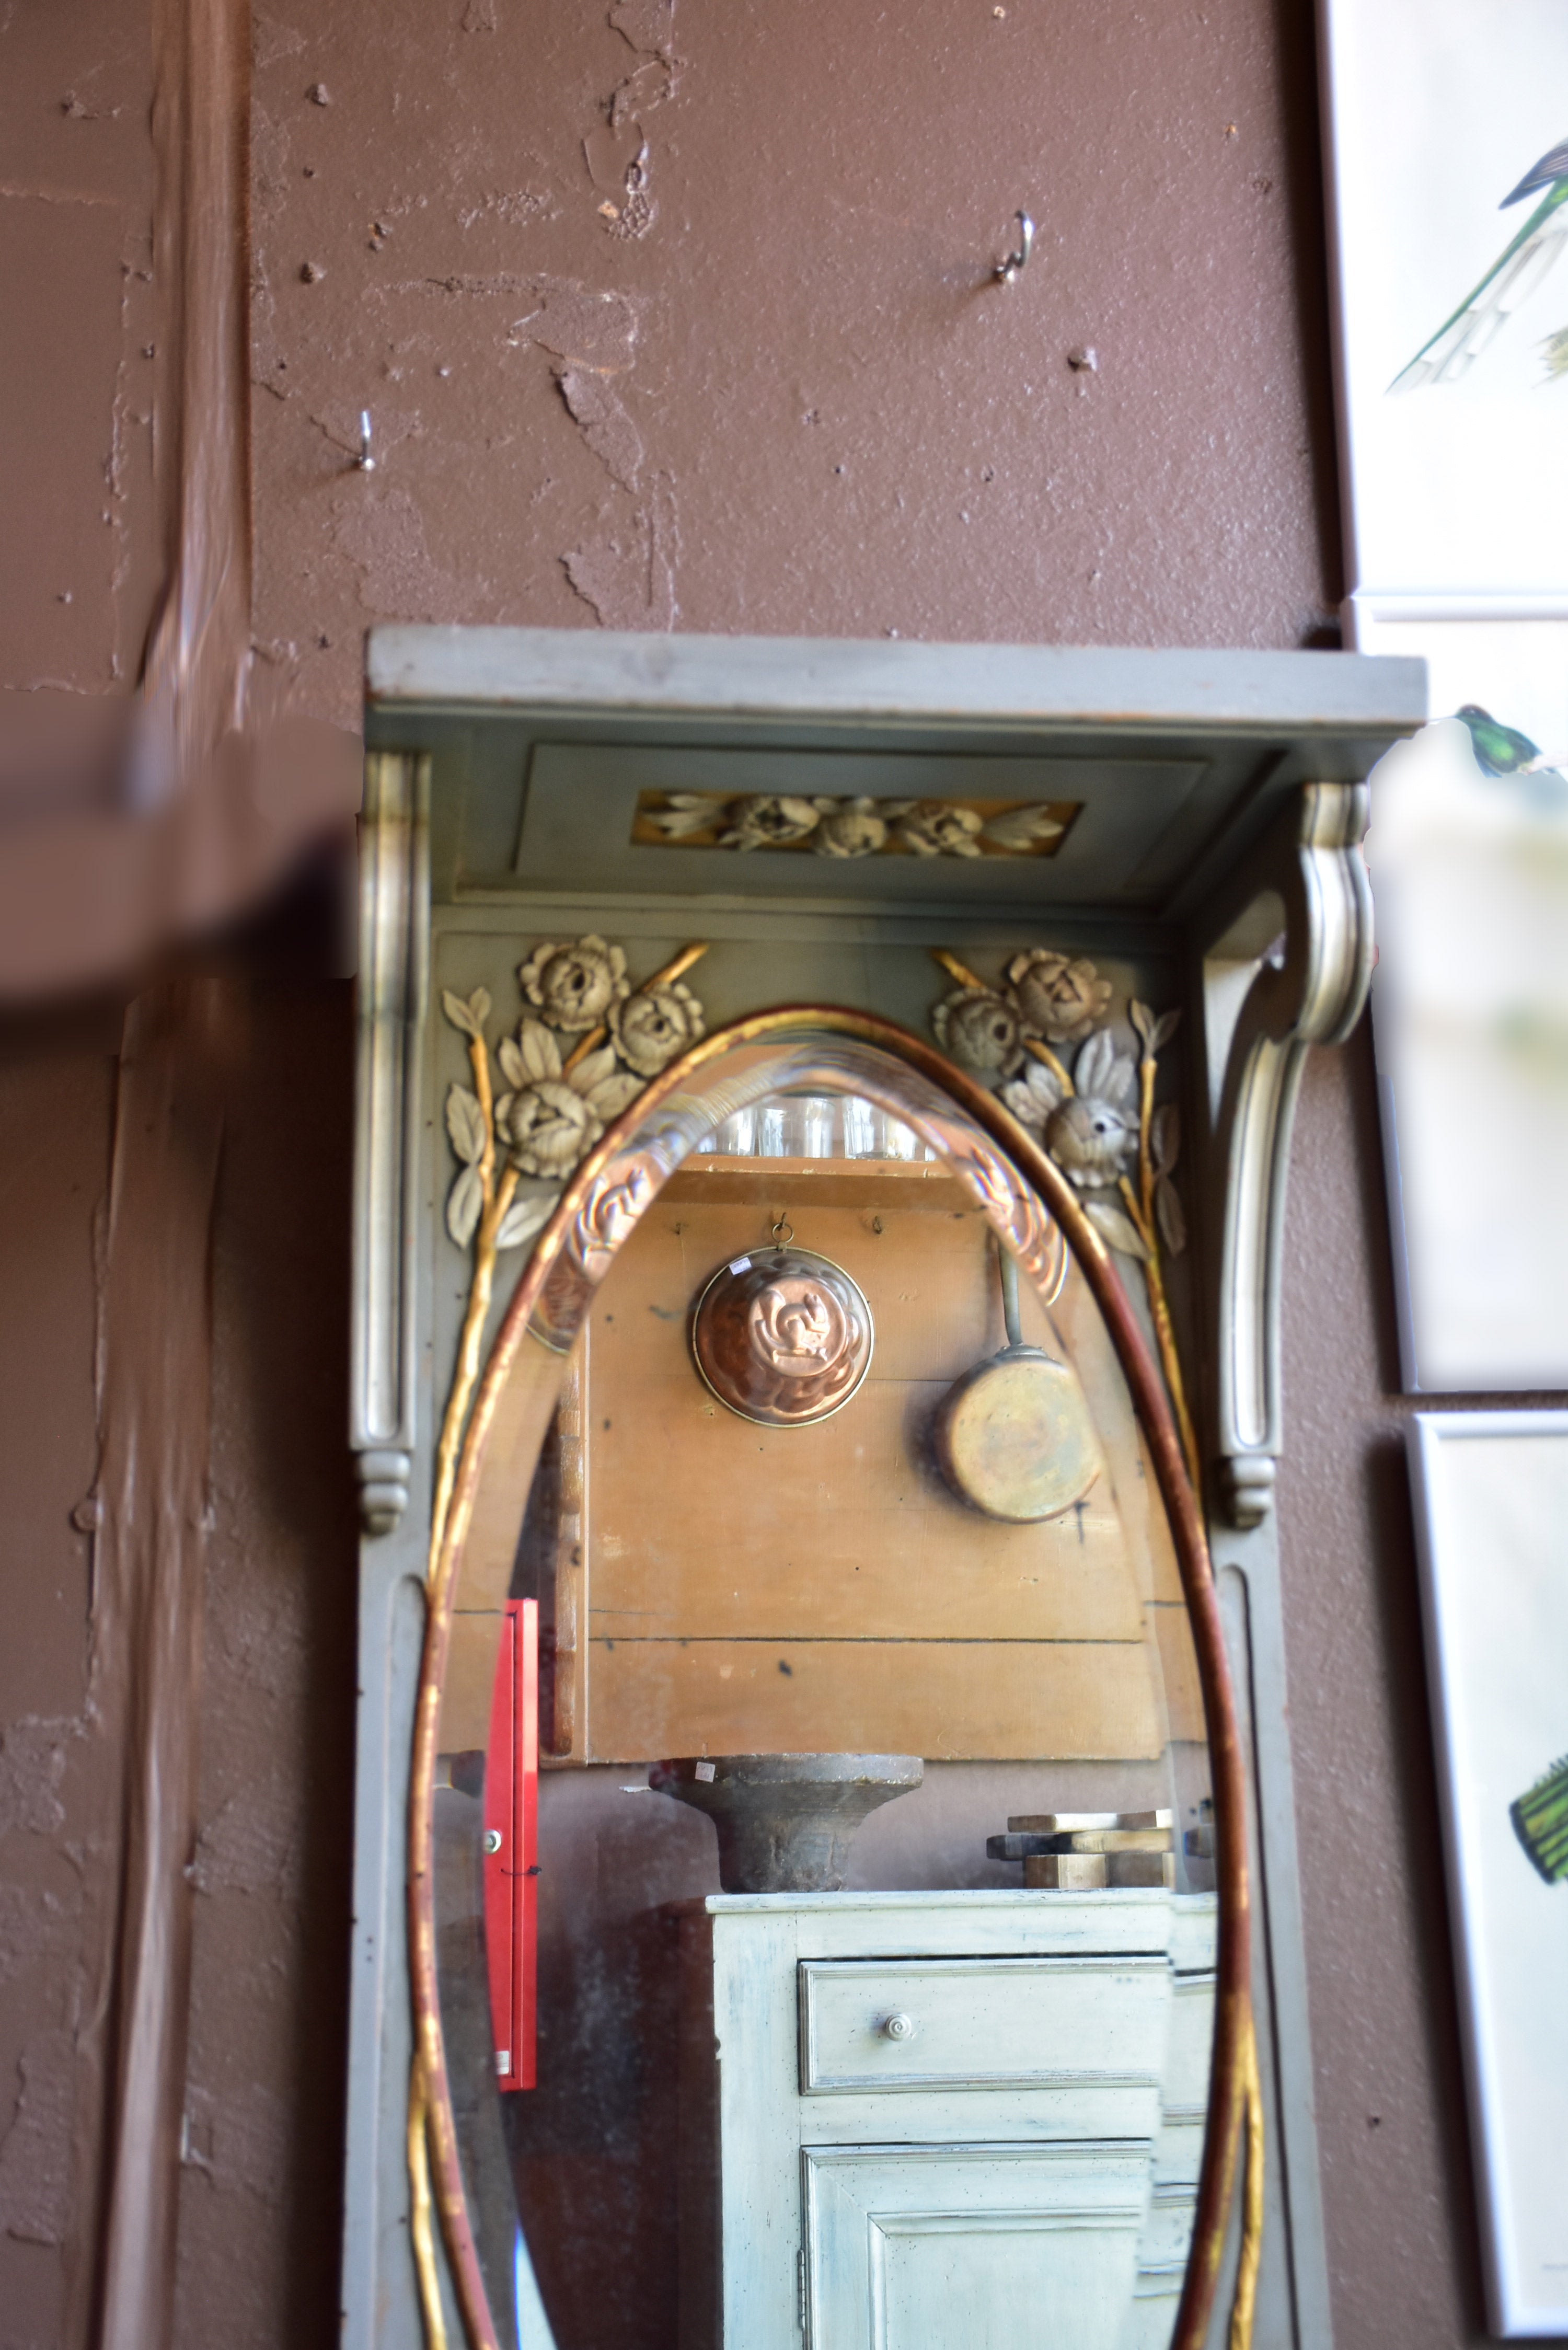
{"x":970,"y":2247}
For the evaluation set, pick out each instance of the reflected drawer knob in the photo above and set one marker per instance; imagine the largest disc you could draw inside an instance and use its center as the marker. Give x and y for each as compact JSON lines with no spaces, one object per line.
{"x":899,"y":2027}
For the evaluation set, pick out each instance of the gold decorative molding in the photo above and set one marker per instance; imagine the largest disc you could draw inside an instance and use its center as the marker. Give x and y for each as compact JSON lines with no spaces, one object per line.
{"x":820,"y":825}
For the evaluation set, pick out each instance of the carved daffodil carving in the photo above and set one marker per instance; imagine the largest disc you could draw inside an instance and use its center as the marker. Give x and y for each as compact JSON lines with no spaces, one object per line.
{"x":554,"y":1113}
{"x":1092,"y":1107}
{"x":654,"y":1025}
{"x":981,"y":1031}
{"x":557,"y":1101}
{"x":935,"y":828}
{"x":768,"y":820}
{"x":574,"y":986}
{"x":1092,"y":1131}
{"x":857,"y":827}
{"x":1056,"y":996}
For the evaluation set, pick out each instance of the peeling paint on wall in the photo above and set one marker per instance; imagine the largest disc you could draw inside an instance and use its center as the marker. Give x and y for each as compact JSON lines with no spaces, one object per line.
{"x":626,"y":576}
{"x":32,"y":1766}
{"x":241,"y":2141}
{"x":251,"y":1843}
{"x":594,"y":403}
{"x":35,"y":2152}
{"x":382,"y":533}
{"x":32,"y":1926}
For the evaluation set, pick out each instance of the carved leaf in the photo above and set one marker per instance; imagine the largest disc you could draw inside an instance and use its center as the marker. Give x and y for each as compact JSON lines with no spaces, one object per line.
{"x":1172,"y":1220}
{"x":613,"y":1094}
{"x":1121,"y":1080}
{"x":512,"y":1064}
{"x":688,"y":812}
{"x":523,"y":1219}
{"x":1165,"y":1138}
{"x":538,"y":1052}
{"x":1093,"y":1066}
{"x":1019,"y":828}
{"x":592,"y":1069}
{"x":1142,"y":1019}
{"x":463,"y":1206}
{"x":1114,"y":1226}
{"x":1165,"y":1028}
{"x":466,"y":1124}
{"x":459,"y":1014}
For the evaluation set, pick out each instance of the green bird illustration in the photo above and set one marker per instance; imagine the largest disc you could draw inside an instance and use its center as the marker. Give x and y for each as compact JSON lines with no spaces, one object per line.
{"x":1499,"y":749}
{"x":1511,"y":279}
{"x":1505,"y":755}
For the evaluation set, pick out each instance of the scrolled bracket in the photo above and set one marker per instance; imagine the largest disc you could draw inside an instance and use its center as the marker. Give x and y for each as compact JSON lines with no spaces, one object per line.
{"x":1287,"y":966}
{"x":394,"y":958}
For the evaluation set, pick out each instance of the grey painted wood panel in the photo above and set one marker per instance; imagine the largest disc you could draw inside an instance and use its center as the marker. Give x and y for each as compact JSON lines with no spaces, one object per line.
{"x":565,"y":669}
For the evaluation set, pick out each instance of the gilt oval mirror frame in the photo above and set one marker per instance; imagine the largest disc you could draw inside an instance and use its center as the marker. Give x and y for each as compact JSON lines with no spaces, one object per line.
{"x":1034,"y":1211}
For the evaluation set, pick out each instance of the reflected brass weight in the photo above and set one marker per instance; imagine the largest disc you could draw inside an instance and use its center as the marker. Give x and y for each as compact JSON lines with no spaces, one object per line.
{"x":783,"y":1336}
{"x":1013,"y":1436}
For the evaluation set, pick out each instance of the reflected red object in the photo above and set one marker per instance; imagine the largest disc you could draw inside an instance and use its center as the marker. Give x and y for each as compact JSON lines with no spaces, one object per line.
{"x":512,"y":1840}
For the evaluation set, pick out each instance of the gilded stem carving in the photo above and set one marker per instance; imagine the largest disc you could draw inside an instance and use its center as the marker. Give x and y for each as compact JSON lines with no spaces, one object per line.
{"x":1048,"y":999}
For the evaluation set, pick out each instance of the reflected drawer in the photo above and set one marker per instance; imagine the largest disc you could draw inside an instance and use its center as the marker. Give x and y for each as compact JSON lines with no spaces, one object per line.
{"x":981,"y":2023}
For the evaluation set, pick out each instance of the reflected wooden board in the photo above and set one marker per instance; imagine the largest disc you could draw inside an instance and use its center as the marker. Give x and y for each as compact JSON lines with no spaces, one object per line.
{"x":708,"y":1586}
{"x":834,"y":1531}
{"x":949,"y":1701}
{"x":707,"y":1530}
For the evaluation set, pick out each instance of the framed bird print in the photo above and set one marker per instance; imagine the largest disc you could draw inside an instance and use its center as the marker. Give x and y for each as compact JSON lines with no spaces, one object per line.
{"x":1448,"y":124}
{"x":1467,"y":851}
{"x":1491,"y":1514}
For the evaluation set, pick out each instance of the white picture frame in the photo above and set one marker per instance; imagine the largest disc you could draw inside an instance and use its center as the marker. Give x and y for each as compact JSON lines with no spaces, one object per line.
{"x":1436,"y":113}
{"x":1491,"y":1494}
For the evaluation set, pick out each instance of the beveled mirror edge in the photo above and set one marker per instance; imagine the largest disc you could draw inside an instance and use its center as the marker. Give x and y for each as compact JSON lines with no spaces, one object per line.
{"x":431,"y":2099}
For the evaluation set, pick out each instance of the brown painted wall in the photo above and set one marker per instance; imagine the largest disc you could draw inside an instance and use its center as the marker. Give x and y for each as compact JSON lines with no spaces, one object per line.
{"x":1403,"y":2244}
{"x":776,"y":392}
{"x":769,"y":389}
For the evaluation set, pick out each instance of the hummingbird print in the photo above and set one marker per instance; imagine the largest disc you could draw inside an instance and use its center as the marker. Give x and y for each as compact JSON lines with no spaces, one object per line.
{"x":1511,"y":279}
{"x":1499,"y":749}
{"x":1503,"y":753}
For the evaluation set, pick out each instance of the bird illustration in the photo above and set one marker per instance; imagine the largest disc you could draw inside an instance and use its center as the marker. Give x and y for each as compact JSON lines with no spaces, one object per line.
{"x":1503,"y":755}
{"x":1512,"y":277}
{"x":1499,"y":749}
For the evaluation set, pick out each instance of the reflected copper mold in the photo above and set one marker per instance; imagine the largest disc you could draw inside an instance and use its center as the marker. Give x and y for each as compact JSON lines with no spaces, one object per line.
{"x":783,"y":1338}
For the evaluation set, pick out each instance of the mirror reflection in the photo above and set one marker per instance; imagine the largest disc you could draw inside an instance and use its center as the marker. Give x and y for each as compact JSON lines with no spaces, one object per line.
{"x":824,"y":1859}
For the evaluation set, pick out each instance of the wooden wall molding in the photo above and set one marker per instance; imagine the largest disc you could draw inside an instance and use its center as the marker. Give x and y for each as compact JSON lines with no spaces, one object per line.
{"x":1284,"y":964}
{"x":394,"y":976}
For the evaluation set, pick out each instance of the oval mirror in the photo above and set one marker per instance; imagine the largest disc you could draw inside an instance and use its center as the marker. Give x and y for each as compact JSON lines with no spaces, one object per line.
{"x":827,"y":1909}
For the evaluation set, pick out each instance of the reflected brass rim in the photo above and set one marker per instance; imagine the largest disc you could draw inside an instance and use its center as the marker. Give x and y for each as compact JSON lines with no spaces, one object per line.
{"x":1232,"y":2023}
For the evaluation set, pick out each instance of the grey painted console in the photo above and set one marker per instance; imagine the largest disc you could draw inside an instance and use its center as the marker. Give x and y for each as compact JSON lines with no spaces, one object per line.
{"x":1221,"y":802}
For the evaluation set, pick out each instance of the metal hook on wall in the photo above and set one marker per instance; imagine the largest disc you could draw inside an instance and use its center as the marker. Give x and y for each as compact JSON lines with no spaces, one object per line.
{"x":1016,"y":263}
{"x":364,"y":460}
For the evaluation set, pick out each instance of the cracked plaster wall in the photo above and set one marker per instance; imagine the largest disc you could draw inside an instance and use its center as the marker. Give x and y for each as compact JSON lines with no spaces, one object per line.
{"x":678,"y":314}
{"x":671,"y":315}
